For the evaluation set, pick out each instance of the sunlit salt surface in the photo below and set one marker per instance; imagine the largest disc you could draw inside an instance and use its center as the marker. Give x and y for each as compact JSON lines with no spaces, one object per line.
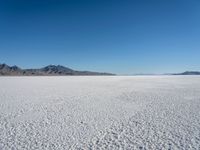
{"x":104,"y":112}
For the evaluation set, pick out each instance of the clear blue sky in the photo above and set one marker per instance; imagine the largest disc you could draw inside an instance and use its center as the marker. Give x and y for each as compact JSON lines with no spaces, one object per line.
{"x":119,"y":36}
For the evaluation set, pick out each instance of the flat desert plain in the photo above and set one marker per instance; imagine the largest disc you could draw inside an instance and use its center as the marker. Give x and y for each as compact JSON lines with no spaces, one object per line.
{"x":100,"y":112}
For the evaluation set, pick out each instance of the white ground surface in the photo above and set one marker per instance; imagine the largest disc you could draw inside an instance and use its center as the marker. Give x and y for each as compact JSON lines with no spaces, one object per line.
{"x":152,"y":112}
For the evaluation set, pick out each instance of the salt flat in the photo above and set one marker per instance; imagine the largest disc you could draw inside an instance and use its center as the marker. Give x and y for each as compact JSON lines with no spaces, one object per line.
{"x":100,"y":112}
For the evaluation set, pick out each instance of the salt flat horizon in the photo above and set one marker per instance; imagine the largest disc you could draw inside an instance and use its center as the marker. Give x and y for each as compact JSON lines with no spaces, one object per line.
{"x":100,"y":112}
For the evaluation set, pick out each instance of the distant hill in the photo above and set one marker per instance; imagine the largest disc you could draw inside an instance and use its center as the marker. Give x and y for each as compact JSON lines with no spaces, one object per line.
{"x":188,"y":73}
{"x":51,"y":70}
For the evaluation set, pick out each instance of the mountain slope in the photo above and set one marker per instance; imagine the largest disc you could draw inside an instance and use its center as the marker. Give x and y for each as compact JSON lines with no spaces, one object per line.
{"x":188,"y":73}
{"x":51,"y":70}
{"x":7,"y":70}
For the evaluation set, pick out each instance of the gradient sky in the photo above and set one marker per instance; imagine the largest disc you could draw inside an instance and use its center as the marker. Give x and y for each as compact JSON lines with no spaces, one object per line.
{"x":119,"y":36}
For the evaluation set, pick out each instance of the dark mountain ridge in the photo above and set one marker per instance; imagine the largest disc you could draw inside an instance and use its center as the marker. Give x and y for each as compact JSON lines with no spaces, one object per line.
{"x":188,"y":73}
{"x":50,"y":70}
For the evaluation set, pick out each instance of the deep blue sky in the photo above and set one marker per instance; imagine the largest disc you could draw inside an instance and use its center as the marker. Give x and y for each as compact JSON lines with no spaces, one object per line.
{"x":120,"y":36}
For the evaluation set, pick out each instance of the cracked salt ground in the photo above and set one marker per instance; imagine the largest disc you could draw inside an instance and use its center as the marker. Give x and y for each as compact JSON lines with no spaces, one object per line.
{"x":143,"y":112}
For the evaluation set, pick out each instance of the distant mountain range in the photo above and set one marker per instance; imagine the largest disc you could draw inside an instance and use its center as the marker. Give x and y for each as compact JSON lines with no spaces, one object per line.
{"x":51,"y":70}
{"x":58,"y":70}
{"x":188,"y":73}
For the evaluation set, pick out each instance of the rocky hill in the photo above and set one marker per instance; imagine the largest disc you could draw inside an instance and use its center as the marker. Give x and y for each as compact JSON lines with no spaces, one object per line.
{"x":51,"y":70}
